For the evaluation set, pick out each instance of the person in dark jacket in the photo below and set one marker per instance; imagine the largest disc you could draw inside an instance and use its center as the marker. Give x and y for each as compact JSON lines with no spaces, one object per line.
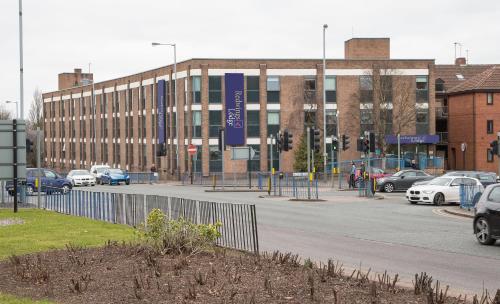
{"x":352,"y":176}
{"x":153,"y":173}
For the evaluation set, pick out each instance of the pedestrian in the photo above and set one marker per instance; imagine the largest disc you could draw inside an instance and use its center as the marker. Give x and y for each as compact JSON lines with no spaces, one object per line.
{"x":352,"y":176}
{"x":413,"y":164}
{"x":153,"y":173}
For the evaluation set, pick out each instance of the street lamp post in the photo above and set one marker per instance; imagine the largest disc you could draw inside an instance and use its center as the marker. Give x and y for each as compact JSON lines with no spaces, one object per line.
{"x":17,"y":110}
{"x":175,"y":101}
{"x":21,"y":68}
{"x":325,"y":155}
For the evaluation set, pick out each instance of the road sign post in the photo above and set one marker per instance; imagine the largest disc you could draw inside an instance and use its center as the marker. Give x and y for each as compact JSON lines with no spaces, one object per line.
{"x":192,"y":151}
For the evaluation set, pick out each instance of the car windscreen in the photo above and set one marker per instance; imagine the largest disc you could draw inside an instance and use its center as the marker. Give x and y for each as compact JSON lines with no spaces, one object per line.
{"x":398,"y":173}
{"x":100,"y":170}
{"x":440,"y":181}
{"x":115,"y":171}
{"x":490,"y":178}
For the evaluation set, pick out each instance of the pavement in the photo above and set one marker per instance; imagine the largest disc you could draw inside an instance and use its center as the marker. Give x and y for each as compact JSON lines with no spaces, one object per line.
{"x":388,"y":234}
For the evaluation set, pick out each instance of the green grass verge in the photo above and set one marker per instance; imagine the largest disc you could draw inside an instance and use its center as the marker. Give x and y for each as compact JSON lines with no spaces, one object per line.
{"x":46,"y":230}
{"x":6,"y":299}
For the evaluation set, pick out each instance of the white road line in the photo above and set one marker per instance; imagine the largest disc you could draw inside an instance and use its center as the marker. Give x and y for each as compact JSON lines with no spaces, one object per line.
{"x":441,"y":212}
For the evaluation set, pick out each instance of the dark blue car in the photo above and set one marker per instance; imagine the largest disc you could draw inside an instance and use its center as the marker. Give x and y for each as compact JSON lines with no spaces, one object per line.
{"x":114,"y":176}
{"x":51,"y":182}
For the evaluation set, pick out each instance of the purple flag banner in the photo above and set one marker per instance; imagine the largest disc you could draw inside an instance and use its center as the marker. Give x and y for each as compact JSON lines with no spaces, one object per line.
{"x":161,"y":112}
{"x":235,"y":109}
{"x":412,"y":139}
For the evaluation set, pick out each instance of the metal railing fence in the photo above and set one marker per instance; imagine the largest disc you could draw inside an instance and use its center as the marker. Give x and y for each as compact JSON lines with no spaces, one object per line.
{"x":468,"y":194}
{"x":239,"y":221}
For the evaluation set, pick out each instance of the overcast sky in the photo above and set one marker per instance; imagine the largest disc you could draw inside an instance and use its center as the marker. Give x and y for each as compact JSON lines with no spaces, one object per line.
{"x":116,"y":36}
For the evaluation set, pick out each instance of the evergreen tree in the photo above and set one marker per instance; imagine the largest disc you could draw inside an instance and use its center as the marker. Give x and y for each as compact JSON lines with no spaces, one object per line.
{"x":300,"y":164}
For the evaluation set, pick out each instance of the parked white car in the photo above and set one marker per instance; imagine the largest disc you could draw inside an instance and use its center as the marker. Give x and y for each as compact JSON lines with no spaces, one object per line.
{"x":98,"y":170}
{"x":441,"y":190}
{"x":81,"y":178}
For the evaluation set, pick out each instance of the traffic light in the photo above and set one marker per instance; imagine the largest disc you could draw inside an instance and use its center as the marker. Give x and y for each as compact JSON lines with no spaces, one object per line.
{"x":345,"y":142}
{"x":287,"y":140}
{"x":29,"y":146}
{"x":279,"y":142}
{"x":494,"y":147}
{"x":221,"y":148}
{"x":372,"y":142}
{"x":315,"y":140}
{"x":366,"y":145}
{"x":335,"y":143}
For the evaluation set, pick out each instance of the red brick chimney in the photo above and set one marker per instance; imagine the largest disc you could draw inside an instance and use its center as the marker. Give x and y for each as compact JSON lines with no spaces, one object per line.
{"x":75,"y":79}
{"x":460,"y":61}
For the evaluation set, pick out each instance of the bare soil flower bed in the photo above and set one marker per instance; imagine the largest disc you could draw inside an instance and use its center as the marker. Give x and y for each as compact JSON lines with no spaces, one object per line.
{"x":123,"y":273}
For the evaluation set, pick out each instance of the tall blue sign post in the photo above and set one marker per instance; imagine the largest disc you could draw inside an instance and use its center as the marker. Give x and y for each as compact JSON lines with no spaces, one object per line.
{"x":161,"y":117}
{"x":235,"y":109}
{"x":235,"y":114}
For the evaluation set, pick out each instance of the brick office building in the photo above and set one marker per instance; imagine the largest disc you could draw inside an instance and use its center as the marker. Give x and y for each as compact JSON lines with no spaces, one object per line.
{"x":121,"y":129}
{"x":474,"y":120}
{"x":448,"y":76}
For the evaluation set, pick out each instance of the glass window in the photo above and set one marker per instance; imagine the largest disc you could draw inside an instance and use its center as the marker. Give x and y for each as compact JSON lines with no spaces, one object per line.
{"x":439,"y":85}
{"x":49,"y":174}
{"x":309,"y":118}
{"x":215,"y":160}
{"x":331,"y":88}
{"x":273,"y":122}
{"x":254,"y":163}
{"x":410,"y":174}
{"x":422,"y":83}
{"x":489,"y":126}
{"x":196,"y":123}
{"x":422,"y":90}
{"x":331,"y":122}
{"x":214,"y":89}
{"x":422,"y":117}
{"x":253,"y":127}
{"x":494,"y":195}
{"x":273,"y":89}
{"x":489,"y":155}
{"x":253,"y":89}
{"x":215,"y":123}
{"x":196,"y":82}
{"x":489,"y":97}
{"x":309,"y":90}
{"x":366,"y":82}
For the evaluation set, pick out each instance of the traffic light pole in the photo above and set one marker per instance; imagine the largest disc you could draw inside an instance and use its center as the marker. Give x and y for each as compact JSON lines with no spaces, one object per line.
{"x":308,"y":163}
{"x":338,"y":151}
{"x":39,"y":170}
{"x":271,"y":158}
{"x":222,"y":153}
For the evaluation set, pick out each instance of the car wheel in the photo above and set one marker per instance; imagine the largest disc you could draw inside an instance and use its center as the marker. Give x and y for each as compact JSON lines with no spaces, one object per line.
{"x":29,"y":190}
{"x":389,"y":187}
{"x":482,"y":232}
{"x":65,"y":189}
{"x":11,"y":193}
{"x":438,"y":199}
{"x":127,"y":182}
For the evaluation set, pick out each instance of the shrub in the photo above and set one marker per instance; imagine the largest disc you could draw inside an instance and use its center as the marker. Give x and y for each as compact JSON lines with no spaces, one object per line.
{"x":179,"y":236}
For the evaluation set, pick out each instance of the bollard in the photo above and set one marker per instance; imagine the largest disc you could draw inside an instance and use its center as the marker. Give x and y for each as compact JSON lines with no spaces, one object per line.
{"x":214,"y":179}
{"x":269,"y":185}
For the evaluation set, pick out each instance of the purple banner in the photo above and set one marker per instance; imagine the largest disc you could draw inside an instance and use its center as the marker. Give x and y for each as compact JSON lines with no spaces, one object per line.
{"x":412,"y":139}
{"x":161,"y":112}
{"x":235,"y":109}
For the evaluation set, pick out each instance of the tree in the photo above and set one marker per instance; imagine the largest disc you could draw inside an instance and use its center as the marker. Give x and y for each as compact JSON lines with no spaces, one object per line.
{"x":384,"y":104}
{"x":4,"y":113}
{"x":300,"y":163}
{"x":35,"y":115}
{"x":35,"y":119}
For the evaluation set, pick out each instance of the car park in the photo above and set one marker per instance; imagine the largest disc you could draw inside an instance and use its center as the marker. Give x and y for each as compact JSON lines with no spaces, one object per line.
{"x":114,"y":176}
{"x":81,"y":178}
{"x":50,"y":182}
{"x":98,"y":170}
{"x":486,"y":225}
{"x":401,"y":180}
{"x":441,"y":190}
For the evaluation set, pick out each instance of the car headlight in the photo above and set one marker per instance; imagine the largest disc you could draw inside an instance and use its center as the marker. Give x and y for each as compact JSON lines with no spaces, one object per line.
{"x":428,"y":191}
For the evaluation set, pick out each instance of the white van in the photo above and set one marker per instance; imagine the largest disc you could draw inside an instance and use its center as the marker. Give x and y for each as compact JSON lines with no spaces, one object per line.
{"x":97,"y":171}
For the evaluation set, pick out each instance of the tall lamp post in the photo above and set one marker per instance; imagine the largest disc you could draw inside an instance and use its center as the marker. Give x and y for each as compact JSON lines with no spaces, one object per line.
{"x":175,"y":101}
{"x":21,"y":66}
{"x":17,"y":110}
{"x":325,"y":155}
